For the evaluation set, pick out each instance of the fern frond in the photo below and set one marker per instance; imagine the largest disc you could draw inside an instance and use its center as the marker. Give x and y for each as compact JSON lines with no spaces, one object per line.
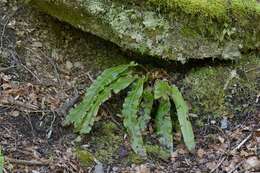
{"x":129,"y":113}
{"x":120,"y":84}
{"x":183,"y":118}
{"x":163,"y":120}
{"x":161,"y":89}
{"x":145,"y":108}
{"x":163,"y":124}
{"x":1,"y":160}
{"x":77,"y":114}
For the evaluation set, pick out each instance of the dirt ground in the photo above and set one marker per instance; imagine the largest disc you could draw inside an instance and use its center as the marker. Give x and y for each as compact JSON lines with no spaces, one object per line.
{"x":42,"y":74}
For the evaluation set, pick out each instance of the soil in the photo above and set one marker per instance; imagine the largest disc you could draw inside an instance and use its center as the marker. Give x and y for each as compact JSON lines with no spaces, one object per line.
{"x":45,"y":65}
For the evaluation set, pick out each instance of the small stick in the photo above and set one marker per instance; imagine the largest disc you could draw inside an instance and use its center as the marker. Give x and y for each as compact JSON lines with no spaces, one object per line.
{"x":19,"y":104}
{"x":32,"y":73}
{"x":218,"y":165}
{"x":27,"y":162}
{"x":232,"y":170}
{"x":69,"y":104}
{"x":242,"y":143}
{"x":3,"y":69}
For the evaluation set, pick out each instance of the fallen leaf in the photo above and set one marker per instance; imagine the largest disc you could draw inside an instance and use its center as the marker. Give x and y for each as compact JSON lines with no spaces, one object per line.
{"x":222,"y":140}
{"x":15,"y":113}
{"x":200,"y":153}
{"x":252,"y":163}
{"x":211,"y":165}
{"x":37,"y":44}
{"x":142,"y":169}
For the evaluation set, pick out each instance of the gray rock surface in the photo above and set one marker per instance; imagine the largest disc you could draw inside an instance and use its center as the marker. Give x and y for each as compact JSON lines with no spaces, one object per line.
{"x":173,"y":35}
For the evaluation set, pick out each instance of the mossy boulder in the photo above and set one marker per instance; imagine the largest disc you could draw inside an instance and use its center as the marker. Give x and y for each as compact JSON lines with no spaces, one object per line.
{"x":168,"y":29}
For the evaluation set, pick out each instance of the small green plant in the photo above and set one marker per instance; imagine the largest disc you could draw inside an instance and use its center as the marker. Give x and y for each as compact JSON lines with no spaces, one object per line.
{"x":1,"y":161}
{"x":144,"y":92}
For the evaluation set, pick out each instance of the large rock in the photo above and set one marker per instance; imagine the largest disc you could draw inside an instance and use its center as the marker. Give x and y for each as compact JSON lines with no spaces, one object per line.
{"x":169,"y":29}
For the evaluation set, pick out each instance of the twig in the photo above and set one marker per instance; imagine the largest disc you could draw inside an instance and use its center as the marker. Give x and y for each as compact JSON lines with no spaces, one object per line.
{"x":4,"y":170}
{"x":3,"y":69}
{"x":67,"y":105}
{"x":18,"y":104}
{"x":17,"y":58}
{"x":28,"y":118}
{"x":108,"y":169}
{"x":232,"y":170}
{"x":90,"y":77}
{"x":52,"y":62}
{"x":51,"y":126}
{"x":242,"y":143}
{"x":33,"y":74}
{"x":27,"y":162}
{"x":218,"y":165}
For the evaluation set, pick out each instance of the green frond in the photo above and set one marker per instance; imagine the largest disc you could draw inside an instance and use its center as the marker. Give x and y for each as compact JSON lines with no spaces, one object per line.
{"x":183,"y":118}
{"x":1,"y":161}
{"x":145,"y":108}
{"x":137,"y":108}
{"x":163,"y":124}
{"x":129,"y":112}
{"x":161,"y":89}
{"x":77,"y":114}
{"x":163,"y":120}
{"x":120,"y":84}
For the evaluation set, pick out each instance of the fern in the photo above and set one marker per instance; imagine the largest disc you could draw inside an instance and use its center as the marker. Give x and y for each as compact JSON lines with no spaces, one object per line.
{"x":163,"y":120}
{"x":1,"y":161}
{"x":161,"y":89}
{"x":137,"y":107}
{"x":183,"y":118}
{"x":129,"y":112}
{"x":117,"y":86}
{"x":77,"y":114}
{"x":145,"y":108}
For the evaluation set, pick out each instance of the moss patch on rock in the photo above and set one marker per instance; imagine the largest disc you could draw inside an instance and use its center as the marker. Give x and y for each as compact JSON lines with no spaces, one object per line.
{"x":223,"y":90}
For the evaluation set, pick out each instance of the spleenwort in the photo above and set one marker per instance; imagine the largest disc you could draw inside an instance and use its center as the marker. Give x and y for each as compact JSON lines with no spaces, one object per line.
{"x":137,"y":107}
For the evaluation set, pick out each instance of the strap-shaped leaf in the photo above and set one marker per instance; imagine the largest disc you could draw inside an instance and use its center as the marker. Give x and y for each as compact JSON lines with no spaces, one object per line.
{"x":183,"y":118}
{"x":145,"y":108}
{"x":163,"y":120}
{"x":1,"y":161}
{"x":161,"y":89}
{"x":129,"y":113}
{"x":77,"y":114}
{"x":163,"y":124}
{"x":120,"y":84}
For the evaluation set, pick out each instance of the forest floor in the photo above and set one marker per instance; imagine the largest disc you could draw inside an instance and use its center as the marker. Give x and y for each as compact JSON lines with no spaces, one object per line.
{"x":42,"y":76}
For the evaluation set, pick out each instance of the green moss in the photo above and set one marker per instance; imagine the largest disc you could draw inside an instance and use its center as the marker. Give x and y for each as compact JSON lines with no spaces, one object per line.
{"x":85,"y":157}
{"x":156,"y":152}
{"x":106,"y":142}
{"x":207,"y":90}
{"x":220,"y":20}
{"x":218,"y":9}
{"x":133,"y":158}
{"x":213,"y":90}
{"x":189,"y":32}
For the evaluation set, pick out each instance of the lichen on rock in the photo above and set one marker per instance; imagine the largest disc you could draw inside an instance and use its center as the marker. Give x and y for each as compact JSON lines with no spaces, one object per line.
{"x":174,"y":30}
